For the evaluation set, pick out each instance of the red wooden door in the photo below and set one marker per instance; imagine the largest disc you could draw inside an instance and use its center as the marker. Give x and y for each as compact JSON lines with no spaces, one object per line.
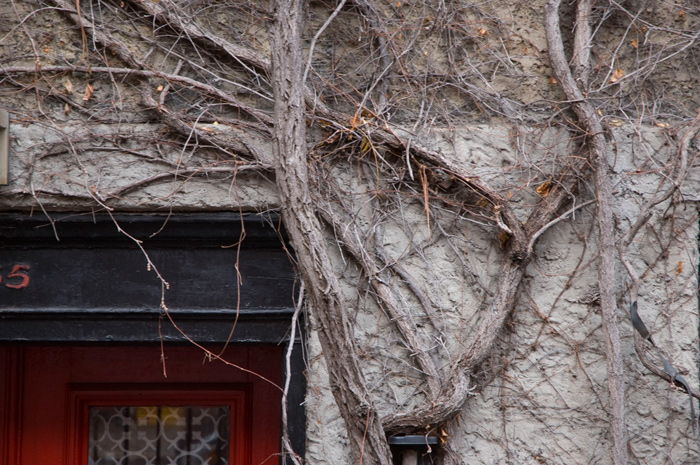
{"x":49,"y":392}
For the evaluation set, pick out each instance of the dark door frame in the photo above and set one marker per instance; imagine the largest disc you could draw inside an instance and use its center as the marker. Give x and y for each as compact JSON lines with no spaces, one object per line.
{"x":261,"y":313}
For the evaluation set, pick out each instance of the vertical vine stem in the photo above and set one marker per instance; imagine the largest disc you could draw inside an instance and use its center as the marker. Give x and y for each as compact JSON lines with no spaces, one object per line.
{"x":367,"y":441}
{"x":286,"y":441}
{"x":595,"y":142}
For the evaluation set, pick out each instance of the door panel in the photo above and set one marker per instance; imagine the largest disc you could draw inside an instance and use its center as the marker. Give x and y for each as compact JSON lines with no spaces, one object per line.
{"x":147,"y":424}
{"x":47,"y":392}
{"x":10,"y":406}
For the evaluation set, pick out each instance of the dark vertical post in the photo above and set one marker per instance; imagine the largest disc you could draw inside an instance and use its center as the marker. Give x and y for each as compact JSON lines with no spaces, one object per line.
{"x":296,"y":413}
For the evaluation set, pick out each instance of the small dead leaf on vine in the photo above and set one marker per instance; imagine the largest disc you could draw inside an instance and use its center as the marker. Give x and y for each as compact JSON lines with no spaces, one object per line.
{"x":46,"y":49}
{"x":503,"y":238}
{"x":68,"y":86}
{"x":681,"y":14}
{"x":615,"y":123}
{"x":426,"y":196}
{"x":616,"y":76}
{"x":365,"y":146}
{"x":66,"y":109}
{"x":482,"y":32}
{"x":443,"y":435}
{"x":482,"y":202}
{"x":661,"y":125}
{"x":552,"y":81}
{"x":366,"y":113}
{"x":679,"y":268}
{"x":159,"y":89}
{"x":634,"y":43}
{"x":544,"y":188}
{"x":88,"y":92}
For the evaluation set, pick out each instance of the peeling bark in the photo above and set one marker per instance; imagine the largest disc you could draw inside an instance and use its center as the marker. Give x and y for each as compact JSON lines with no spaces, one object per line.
{"x":596,"y":146}
{"x":368,"y":443}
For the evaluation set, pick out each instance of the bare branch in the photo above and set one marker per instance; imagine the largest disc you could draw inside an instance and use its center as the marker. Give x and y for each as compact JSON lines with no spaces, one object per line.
{"x":595,"y":139}
{"x":286,"y":442}
{"x":367,"y":439}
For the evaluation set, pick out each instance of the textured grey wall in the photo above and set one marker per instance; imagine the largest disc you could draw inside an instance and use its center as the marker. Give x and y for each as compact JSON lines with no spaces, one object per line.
{"x":541,"y":398}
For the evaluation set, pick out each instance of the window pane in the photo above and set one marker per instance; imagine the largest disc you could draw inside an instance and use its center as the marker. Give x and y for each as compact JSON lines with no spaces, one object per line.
{"x":159,"y":435}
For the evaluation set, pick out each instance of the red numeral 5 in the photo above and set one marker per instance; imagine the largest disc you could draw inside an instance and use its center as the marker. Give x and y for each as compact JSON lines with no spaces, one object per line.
{"x":18,"y":273}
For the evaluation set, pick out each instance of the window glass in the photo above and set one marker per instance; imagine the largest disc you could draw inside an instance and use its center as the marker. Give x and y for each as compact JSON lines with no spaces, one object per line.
{"x":159,"y":435}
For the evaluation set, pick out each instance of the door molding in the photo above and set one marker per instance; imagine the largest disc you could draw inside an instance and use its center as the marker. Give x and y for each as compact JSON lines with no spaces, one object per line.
{"x":237,"y":396}
{"x":107,"y":293}
{"x":11,"y":369}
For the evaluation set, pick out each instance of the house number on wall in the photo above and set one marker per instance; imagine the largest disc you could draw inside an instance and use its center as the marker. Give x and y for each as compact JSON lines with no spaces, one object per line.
{"x":17,"y":278}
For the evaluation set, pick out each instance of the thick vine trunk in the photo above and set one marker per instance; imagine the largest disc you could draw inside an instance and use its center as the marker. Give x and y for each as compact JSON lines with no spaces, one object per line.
{"x":368,"y":443}
{"x":595,"y":139}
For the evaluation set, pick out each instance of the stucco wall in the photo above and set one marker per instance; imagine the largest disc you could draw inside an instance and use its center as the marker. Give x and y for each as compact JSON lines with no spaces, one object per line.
{"x":77,"y":165}
{"x":541,"y":397}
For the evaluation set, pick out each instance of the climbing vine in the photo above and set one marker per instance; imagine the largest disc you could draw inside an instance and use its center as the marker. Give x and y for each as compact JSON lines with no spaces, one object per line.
{"x":345,"y":113}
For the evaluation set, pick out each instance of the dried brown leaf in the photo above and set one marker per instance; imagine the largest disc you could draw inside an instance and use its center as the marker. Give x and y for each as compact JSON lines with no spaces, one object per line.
{"x":544,"y":188}
{"x":88,"y":92}
{"x":616,"y":76}
{"x":424,"y":183}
